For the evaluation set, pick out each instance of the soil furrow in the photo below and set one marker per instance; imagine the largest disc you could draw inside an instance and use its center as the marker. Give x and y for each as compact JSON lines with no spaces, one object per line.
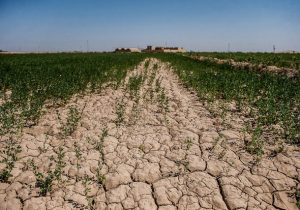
{"x":150,"y":144}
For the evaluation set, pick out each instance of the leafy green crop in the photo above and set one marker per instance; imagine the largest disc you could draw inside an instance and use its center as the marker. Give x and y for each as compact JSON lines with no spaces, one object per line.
{"x":33,"y":79}
{"x":289,"y":60}
{"x":29,"y":81}
{"x":276,"y":98}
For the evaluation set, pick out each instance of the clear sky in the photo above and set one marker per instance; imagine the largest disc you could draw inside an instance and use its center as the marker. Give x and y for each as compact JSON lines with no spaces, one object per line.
{"x":200,"y":25}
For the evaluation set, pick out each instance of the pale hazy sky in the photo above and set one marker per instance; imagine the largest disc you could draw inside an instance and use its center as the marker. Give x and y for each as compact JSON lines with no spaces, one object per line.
{"x":201,"y":25}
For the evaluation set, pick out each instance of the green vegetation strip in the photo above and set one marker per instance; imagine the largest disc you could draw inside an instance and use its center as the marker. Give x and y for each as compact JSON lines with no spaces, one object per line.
{"x":275,"y":99}
{"x":27,"y":81}
{"x":288,"y":60}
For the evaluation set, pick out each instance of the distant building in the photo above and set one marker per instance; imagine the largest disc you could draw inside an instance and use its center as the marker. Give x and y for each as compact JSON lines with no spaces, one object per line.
{"x":164,"y":49}
{"x":153,"y":49}
{"x":149,"y":49}
{"x":127,"y":50}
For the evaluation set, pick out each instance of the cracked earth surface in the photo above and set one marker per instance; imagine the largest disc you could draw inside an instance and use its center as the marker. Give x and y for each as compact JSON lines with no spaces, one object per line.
{"x":157,"y":149}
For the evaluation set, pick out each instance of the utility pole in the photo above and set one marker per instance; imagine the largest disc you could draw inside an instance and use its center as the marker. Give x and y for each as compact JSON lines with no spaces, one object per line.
{"x":228,"y":47}
{"x":87,"y":45}
{"x":274,"y":48}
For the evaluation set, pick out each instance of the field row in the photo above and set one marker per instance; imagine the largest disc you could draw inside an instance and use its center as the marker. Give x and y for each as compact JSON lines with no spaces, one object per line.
{"x":148,"y":143}
{"x":287,"y":60}
{"x":28,"y":82}
{"x":271,"y":100}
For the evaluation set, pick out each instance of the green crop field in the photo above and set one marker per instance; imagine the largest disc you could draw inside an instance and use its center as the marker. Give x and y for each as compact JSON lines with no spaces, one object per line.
{"x":274,"y":99}
{"x":28,"y":81}
{"x":289,"y":60}
{"x":76,"y":120}
{"x":33,"y":79}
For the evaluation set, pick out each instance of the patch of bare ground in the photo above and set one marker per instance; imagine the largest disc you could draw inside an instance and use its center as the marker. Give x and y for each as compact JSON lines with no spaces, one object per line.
{"x":150,"y":144}
{"x":251,"y":66}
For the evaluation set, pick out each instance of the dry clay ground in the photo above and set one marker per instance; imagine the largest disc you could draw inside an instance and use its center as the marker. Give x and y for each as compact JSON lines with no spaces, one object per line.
{"x":157,"y":148}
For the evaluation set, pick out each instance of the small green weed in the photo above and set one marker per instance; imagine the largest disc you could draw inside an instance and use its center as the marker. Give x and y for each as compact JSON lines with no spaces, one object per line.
{"x":99,"y":144}
{"x":9,"y":154}
{"x":255,"y":146}
{"x":188,"y":142}
{"x":72,"y":121}
{"x":157,"y":85}
{"x":147,"y":64}
{"x":298,"y":198}
{"x":78,"y":155}
{"x":134,"y":85}
{"x":100,"y":177}
{"x":163,"y":101}
{"x":279,"y":149}
{"x":45,"y":181}
{"x":142,"y":147}
{"x":151,"y":78}
{"x":120,"y":111}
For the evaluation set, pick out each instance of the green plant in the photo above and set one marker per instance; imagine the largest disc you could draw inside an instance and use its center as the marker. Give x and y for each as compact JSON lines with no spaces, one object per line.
{"x":9,"y":157}
{"x":34,"y":79}
{"x":298,"y":198}
{"x":86,"y":182}
{"x":188,"y":142}
{"x":100,"y":177}
{"x":10,"y":122}
{"x":72,"y":121}
{"x":163,"y":100}
{"x":184,"y":163}
{"x":279,"y":149}
{"x":151,"y":78}
{"x":222,"y":154}
{"x":60,"y":164}
{"x":120,"y":111}
{"x":157,"y":85}
{"x":134,"y":85}
{"x":272,"y":99}
{"x":45,"y":181}
{"x":134,"y":114}
{"x":146,"y":65}
{"x":142,"y":147}
{"x":43,"y":149}
{"x":275,"y":59}
{"x":78,"y":155}
{"x":255,"y":146}
{"x":223,"y":113}
{"x":99,"y":145}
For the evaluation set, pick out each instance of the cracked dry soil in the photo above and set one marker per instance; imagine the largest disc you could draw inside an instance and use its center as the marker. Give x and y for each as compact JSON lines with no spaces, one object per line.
{"x":154,"y":148}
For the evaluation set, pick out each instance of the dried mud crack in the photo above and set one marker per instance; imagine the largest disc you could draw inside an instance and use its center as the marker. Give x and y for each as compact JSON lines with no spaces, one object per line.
{"x":150,"y":144}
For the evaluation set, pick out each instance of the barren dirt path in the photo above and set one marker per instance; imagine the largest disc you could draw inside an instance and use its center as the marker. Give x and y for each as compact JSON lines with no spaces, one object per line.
{"x":150,"y":144}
